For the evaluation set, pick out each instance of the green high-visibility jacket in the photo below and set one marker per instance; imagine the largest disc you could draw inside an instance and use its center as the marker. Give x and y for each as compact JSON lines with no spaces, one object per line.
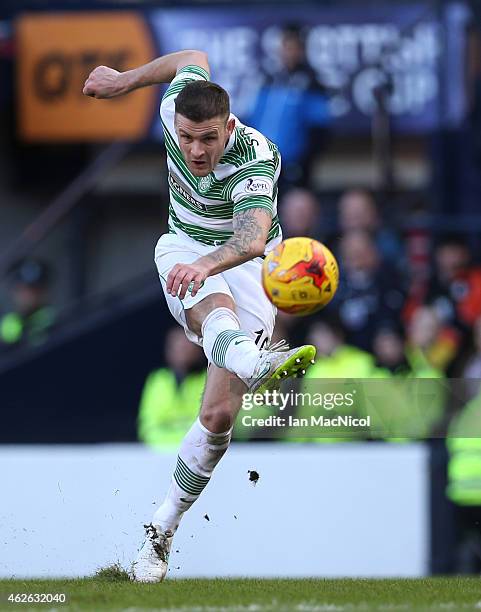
{"x":464,"y":446}
{"x":417,"y":400}
{"x":33,"y":328}
{"x":168,"y":409}
{"x":346,"y":362}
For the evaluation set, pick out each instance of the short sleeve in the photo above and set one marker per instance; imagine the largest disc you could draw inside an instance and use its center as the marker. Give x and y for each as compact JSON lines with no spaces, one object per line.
{"x":253,"y":187}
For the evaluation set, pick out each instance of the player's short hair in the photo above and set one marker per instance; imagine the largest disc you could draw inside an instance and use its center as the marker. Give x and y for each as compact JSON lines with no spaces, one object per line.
{"x":202,"y":100}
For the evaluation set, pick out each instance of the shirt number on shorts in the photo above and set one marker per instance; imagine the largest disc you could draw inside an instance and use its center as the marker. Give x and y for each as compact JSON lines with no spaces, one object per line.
{"x":258,"y":339}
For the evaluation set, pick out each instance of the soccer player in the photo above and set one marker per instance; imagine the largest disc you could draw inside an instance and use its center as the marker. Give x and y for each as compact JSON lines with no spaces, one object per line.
{"x":222,"y":221}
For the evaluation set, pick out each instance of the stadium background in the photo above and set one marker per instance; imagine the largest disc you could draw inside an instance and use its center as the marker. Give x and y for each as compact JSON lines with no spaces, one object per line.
{"x":83,"y":192}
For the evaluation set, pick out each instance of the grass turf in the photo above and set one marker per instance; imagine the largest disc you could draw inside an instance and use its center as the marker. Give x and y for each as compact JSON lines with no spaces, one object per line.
{"x":110,"y":590}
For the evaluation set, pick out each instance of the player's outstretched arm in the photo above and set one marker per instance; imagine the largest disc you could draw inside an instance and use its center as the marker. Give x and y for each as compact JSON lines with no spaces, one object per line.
{"x":251,"y":228}
{"x":105,"y":82}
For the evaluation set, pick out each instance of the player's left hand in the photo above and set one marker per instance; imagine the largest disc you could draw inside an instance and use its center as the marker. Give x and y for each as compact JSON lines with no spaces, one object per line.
{"x":186,"y":277}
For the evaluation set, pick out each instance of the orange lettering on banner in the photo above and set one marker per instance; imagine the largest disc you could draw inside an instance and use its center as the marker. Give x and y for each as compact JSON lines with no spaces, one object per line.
{"x":56,"y":53}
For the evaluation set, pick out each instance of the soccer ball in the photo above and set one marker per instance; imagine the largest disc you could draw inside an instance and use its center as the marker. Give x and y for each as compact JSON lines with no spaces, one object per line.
{"x":300,"y":276}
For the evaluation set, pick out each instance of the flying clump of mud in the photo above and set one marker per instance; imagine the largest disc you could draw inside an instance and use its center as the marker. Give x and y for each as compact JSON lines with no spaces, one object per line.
{"x":253,"y":476}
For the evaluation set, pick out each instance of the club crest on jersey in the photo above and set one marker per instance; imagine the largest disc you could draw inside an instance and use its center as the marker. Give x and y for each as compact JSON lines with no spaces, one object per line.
{"x":204,"y":183}
{"x":257,"y":186}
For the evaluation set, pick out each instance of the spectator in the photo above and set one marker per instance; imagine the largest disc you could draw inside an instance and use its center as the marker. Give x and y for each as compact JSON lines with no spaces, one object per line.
{"x":429,"y":344}
{"x":454,"y":293}
{"x":455,"y":289}
{"x":336,"y":367}
{"x":389,"y":353}
{"x":290,"y":105}
{"x":370,"y":294}
{"x":358,"y":211}
{"x":414,"y":410}
{"x":335,"y":358}
{"x":32,"y":317}
{"x":171,"y":395}
{"x":300,"y":214}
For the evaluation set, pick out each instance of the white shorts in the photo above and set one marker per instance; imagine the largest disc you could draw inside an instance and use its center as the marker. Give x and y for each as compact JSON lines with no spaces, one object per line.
{"x":242,"y":283}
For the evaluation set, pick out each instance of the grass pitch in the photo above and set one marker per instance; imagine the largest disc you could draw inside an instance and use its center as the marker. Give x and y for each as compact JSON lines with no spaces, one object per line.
{"x":110,"y":590}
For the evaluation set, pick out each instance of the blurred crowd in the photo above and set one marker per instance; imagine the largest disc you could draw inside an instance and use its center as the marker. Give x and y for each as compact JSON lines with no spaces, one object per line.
{"x":400,"y":305}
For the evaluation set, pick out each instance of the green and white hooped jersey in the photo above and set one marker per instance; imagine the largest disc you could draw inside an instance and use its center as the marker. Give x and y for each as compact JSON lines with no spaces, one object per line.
{"x":245,"y":177}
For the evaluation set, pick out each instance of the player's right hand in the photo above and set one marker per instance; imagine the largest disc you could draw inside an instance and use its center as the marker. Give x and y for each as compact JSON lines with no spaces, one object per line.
{"x":104,"y":82}
{"x":186,"y":277}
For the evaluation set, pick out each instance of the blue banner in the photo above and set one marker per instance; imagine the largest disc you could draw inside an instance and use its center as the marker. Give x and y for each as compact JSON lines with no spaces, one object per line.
{"x":417,"y":51}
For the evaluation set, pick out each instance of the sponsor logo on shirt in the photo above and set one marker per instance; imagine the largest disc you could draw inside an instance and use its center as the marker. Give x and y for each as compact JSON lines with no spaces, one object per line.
{"x":185,"y":194}
{"x":258,"y":186}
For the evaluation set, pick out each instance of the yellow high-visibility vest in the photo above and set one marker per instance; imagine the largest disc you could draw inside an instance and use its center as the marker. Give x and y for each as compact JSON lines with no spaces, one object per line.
{"x":168,"y":409}
{"x":464,"y":446}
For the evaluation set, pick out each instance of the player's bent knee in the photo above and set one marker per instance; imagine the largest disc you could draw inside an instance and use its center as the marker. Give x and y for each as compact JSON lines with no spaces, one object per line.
{"x":218,"y":418}
{"x":218,"y":300}
{"x":210,"y":303}
{"x":195,"y":316}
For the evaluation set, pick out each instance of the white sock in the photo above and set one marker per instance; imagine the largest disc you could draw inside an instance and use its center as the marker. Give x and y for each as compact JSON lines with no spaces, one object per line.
{"x":200,"y":451}
{"x":226,"y":345}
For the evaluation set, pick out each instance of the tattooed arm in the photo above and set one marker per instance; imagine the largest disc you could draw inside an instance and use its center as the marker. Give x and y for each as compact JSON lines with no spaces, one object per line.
{"x":251,"y":228}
